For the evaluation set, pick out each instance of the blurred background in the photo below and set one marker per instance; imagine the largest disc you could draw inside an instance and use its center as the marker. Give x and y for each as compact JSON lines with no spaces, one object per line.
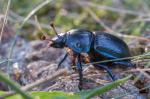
{"x":124,"y":16}
{"x":25,"y":58}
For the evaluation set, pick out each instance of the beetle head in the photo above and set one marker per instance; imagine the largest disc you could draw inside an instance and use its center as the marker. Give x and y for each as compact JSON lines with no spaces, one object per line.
{"x":59,"y":40}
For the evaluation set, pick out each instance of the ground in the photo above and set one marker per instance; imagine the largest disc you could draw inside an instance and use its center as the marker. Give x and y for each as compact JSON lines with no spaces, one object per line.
{"x":33,"y":60}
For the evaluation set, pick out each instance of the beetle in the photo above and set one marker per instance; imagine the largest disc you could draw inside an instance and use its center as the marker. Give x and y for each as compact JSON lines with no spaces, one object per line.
{"x":98,"y":45}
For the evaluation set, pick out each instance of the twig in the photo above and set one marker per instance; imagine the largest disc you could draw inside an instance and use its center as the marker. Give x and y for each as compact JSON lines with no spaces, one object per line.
{"x":43,"y":80}
{"x":38,"y":82}
{"x":5,"y":19}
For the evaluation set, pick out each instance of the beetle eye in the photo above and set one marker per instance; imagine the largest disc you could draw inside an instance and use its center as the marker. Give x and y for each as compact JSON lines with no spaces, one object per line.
{"x":78,"y":45}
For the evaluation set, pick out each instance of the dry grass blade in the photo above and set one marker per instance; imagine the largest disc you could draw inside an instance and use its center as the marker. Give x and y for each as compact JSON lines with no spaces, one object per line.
{"x":15,"y":18}
{"x":95,"y":17}
{"x":145,"y":74}
{"x":43,"y":80}
{"x":140,"y":74}
{"x":119,"y":59}
{"x":138,"y":70}
{"x":38,"y":82}
{"x":111,"y":30}
{"x":39,"y":26}
{"x":123,"y":95}
{"x":5,"y":19}
{"x":20,"y":27}
{"x":118,"y":10}
{"x":35,"y":10}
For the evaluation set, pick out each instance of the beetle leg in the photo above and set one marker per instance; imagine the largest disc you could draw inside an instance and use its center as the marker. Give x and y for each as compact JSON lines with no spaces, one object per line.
{"x":79,"y":67}
{"x":109,"y":71}
{"x":62,"y":61}
{"x":85,"y":59}
{"x":73,"y":57}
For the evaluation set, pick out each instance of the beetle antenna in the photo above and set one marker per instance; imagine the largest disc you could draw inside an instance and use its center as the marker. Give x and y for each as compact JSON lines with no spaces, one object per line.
{"x":45,"y":37}
{"x":53,"y":27}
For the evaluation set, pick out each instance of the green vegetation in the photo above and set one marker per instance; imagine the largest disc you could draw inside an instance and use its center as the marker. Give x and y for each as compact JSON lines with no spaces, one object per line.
{"x":122,"y":16}
{"x":85,"y":94}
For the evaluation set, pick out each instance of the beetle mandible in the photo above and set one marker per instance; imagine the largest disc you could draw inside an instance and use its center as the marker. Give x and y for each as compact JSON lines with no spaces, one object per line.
{"x":98,"y":45}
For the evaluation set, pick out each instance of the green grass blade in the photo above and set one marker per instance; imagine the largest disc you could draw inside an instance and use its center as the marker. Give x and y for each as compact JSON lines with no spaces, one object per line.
{"x":14,"y":86}
{"x":35,"y":10}
{"x":86,"y":94}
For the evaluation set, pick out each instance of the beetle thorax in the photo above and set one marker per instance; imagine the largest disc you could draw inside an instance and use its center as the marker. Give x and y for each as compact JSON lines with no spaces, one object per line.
{"x":79,"y":40}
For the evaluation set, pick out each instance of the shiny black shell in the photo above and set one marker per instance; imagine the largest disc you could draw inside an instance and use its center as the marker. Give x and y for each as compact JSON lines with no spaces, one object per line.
{"x":106,"y":45}
{"x":79,"y":40}
{"x":110,"y":46}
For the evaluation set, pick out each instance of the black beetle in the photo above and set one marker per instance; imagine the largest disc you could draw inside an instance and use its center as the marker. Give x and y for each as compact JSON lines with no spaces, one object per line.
{"x":98,"y":45}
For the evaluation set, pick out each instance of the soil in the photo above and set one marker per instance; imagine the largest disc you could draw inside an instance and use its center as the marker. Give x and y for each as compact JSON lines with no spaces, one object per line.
{"x":32,"y":60}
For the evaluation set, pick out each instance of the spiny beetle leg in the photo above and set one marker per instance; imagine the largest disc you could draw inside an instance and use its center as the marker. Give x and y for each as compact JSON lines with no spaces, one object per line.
{"x":79,"y":67}
{"x":109,"y":71}
{"x":62,"y":61}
